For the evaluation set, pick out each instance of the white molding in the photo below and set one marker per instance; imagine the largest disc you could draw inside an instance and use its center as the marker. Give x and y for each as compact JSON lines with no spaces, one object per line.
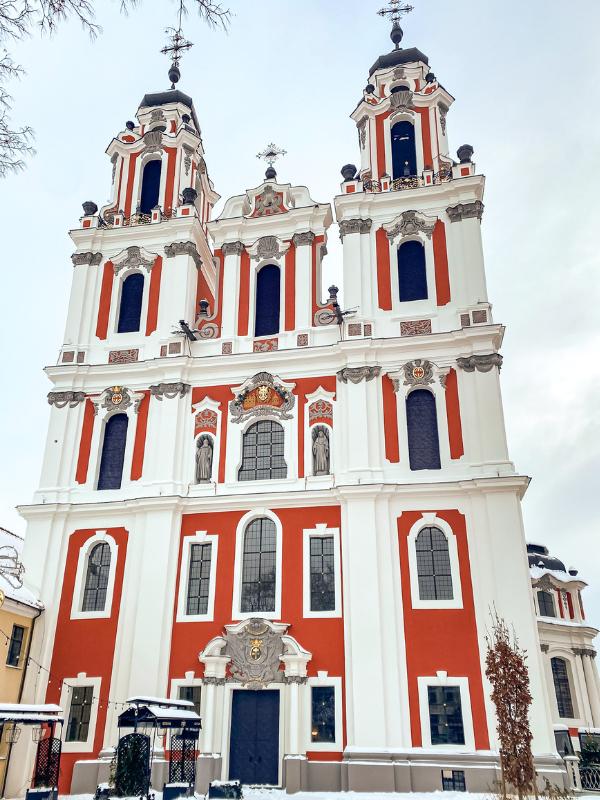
{"x":190,"y":679}
{"x":65,"y":703}
{"x":200,"y":537}
{"x":442,"y":679}
{"x":336,"y":745}
{"x":81,"y":575}
{"x":319,"y":531}
{"x":236,"y":614}
{"x":432,"y":520}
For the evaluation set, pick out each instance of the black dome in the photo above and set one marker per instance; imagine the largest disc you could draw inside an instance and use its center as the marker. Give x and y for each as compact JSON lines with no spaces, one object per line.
{"x":538,"y":556}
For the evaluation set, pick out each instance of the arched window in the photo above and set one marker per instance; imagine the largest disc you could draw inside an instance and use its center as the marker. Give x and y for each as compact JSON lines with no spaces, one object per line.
{"x":96,"y":578}
{"x":268,"y":284}
{"x":433,"y":565}
{"x":560,"y":676}
{"x":421,"y":420}
{"x":113,"y":452}
{"x":130,"y":309}
{"x":262,"y":452}
{"x":150,"y":186}
{"x":546,"y":604}
{"x":259,"y":566}
{"x":412,"y":274}
{"x":404,"y":151}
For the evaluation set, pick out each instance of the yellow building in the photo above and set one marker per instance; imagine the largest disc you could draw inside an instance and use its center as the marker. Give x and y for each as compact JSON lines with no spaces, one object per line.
{"x":19,"y":609}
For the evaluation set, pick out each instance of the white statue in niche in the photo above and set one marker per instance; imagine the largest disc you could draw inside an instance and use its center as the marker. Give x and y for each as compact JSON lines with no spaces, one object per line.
{"x":204,"y":458}
{"x":320,"y":451}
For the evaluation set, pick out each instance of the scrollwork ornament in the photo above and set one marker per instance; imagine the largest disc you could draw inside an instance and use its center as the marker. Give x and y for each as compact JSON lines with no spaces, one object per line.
{"x":208,"y":331}
{"x":358,"y":374}
{"x":348,"y":226}
{"x":480,"y":363}
{"x":418,"y":373}
{"x":152,"y":142}
{"x":402,"y":100}
{"x":212,"y":681}
{"x":169,"y":390}
{"x":299,"y":679}
{"x":62,"y":399}
{"x":134,"y":259}
{"x":324,"y":316}
{"x":462,"y":211}
{"x":255,"y":653}
{"x":268,"y":247}
{"x":410,"y":223}
{"x":263,"y":396}
{"x":184,"y":248}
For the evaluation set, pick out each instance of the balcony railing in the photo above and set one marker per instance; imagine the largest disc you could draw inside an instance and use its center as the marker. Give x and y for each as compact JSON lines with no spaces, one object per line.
{"x":409,"y":182}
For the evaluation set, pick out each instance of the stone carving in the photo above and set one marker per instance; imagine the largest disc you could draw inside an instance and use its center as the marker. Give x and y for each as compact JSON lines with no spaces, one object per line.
{"x":480,"y":363}
{"x":133,"y":259}
{"x":355,"y":329}
{"x":62,"y":399}
{"x":116,"y":398}
{"x":265,"y":345}
{"x":187,"y":161}
{"x":410,"y":223}
{"x":417,"y":373}
{"x":169,"y":390}
{"x":358,"y":374}
{"x":113,"y":160}
{"x":362,"y":131}
{"x":584,"y":651}
{"x":402,"y":100}
{"x":462,"y":211}
{"x":262,"y":396}
{"x":348,"y":226}
{"x":152,"y":142}
{"x":415,"y":327}
{"x":302,"y":340}
{"x":204,"y":459}
{"x":89,"y":259}
{"x":320,"y":450}
{"x":209,"y":330}
{"x":227,"y":348}
{"x":268,"y":203}
{"x":232,"y":249}
{"x":68,"y":356}
{"x":255,"y":653}
{"x":443,"y":112}
{"x":324,"y":316}
{"x":544,"y":648}
{"x":300,"y":239}
{"x":210,"y":681}
{"x":123,"y":356}
{"x":157,"y":115}
{"x":320,"y":409}
{"x":184,"y":248}
{"x":202,"y":166}
{"x":399,"y":73}
{"x":300,"y":679}
{"x":479,"y":317}
{"x":206,"y":420}
{"x":268,"y":247}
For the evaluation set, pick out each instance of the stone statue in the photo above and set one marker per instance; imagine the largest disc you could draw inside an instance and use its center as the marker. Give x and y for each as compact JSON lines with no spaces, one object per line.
{"x":320,"y":451}
{"x":204,"y":457}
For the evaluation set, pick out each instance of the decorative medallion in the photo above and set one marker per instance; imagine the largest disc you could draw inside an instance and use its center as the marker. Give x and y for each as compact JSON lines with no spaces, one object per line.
{"x":62,"y":399}
{"x":267,"y":247}
{"x":410,"y":223}
{"x":268,"y":203}
{"x":169,"y":390}
{"x":255,"y":653}
{"x":480,"y":363}
{"x":208,"y":331}
{"x":358,"y":374}
{"x":116,"y":398}
{"x":263,"y":396}
{"x":184,"y":248}
{"x":418,"y":373}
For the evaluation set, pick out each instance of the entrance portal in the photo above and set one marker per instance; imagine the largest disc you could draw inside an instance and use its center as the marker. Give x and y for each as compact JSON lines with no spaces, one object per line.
{"x":254,"y":742}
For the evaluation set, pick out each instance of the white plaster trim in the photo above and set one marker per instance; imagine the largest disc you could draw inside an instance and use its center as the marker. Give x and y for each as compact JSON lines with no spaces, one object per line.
{"x":200,"y":537}
{"x":319,"y":531}
{"x":575,"y":688}
{"x":442,"y":679}
{"x":189,"y":680}
{"x":81,"y":575}
{"x":236,"y":614}
{"x":431,"y":520}
{"x":324,"y":746}
{"x":65,"y":703}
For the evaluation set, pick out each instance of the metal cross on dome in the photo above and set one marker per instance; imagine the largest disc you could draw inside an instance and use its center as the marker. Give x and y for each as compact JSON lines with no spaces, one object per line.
{"x":395,"y":10}
{"x":178,"y":45}
{"x":271,"y":153}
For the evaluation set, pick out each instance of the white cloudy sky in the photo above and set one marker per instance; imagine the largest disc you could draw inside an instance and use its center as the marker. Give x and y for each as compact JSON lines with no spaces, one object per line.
{"x":525,"y":76}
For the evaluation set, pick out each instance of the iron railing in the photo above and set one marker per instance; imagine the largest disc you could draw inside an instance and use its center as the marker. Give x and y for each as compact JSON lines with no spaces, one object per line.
{"x":590,"y":777}
{"x":409,"y":182}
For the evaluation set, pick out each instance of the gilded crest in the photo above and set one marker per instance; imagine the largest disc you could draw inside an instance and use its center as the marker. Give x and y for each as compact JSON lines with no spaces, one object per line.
{"x":263,"y":396}
{"x":255,"y":653}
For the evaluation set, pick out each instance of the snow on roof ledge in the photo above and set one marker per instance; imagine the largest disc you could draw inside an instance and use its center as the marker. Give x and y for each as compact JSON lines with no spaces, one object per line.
{"x":166,"y":702}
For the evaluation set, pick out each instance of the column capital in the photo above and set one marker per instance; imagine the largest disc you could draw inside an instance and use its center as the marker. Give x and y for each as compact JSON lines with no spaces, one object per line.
{"x":480,"y":363}
{"x":232,"y":248}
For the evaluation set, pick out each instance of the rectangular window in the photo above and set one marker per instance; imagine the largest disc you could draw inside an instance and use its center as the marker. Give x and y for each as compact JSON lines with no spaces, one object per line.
{"x":192,"y":694}
{"x":322,"y":573}
{"x":80,"y":711}
{"x":198,"y":579}
{"x":445,"y":715}
{"x":15,"y":646}
{"x":322,"y":714}
{"x":453,"y":780}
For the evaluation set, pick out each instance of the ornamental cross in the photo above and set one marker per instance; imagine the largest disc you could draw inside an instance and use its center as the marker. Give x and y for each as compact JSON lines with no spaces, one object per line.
{"x":178,"y":45}
{"x":271,"y":153}
{"x":394,"y":12}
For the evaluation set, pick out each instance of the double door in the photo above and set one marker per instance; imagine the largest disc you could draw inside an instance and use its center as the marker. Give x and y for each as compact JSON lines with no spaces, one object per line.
{"x":254,"y":742}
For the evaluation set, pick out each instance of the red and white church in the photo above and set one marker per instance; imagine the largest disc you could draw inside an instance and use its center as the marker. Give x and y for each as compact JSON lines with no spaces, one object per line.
{"x":295,"y":517}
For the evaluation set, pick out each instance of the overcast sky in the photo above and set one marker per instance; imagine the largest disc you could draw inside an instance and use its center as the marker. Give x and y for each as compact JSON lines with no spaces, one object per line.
{"x":525,"y":78}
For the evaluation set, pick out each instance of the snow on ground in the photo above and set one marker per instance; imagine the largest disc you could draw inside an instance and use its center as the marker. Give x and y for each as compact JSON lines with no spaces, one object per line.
{"x":280,"y":794}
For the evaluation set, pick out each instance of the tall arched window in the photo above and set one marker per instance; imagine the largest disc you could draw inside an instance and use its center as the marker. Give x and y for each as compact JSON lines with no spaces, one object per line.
{"x":96,"y":578}
{"x":267,"y":308}
{"x":259,"y":566}
{"x":130,"y":308}
{"x":404,"y":151}
{"x":150,"y":186}
{"x":412,"y":273}
{"x":262,"y":452}
{"x":113,"y":452}
{"x":433,"y":565}
{"x":560,"y":676}
{"x":546,"y":604}
{"x":421,"y":421}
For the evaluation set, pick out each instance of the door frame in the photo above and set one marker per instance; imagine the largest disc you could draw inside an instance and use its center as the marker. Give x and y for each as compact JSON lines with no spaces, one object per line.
{"x":226,"y":729}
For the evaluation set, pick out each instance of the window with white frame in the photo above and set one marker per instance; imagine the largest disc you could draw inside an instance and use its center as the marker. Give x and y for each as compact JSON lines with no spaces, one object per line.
{"x":445,"y":711}
{"x":434,"y":564}
{"x":80,"y":712}
{"x":192,"y":693}
{"x":259,"y":566}
{"x":198,"y":575}
{"x":199,"y":579}
{"x":546,"y":604}
{"x":263,"y":454}
{"x":324,"y":713}
{"x":321,"y":572}
{"x":562,"y":688}
{"x":95,"y":578}
{"x":80,"y":697}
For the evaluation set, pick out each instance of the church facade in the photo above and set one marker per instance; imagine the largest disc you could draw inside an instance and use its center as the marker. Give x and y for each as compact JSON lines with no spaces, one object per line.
{"x":296,"y":517}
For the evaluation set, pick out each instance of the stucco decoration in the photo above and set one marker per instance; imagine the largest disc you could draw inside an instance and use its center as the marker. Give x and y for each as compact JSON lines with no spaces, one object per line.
{"x":443,"y":112}
{"x":89,"y":259}
{"x":184,"y":248}
{"x":157,"y":115}
{"x":362,"y":131}
{"x":133,"y":257}
{"x":348,"y":226}
{"x":116,"y":398}
{"x":417,"y":373}
{"x":268,"y":203}
{"x":152,"y":142}
{"x":267,"y":247}
{"x":305,"y":238}
{"x":320,"y":409}
{"x":262,"y":396}
{"x":358,"y":374}
{"x":255,"y":650}
{"x":209,"y":330}
{"x":169,"y":390}
{"x":402,"y":100}
{"x":462,"y":211}
{"x":62,"y":399}
{"x":324,"y":316}
{"x":204,"y":459}
{"x":206,"y":420}
{"x":187,"y":161}
{"x":320,"y":450}
{"x":408,"y":224}
{"x":480,"y":363}
{"x":232,"y":248}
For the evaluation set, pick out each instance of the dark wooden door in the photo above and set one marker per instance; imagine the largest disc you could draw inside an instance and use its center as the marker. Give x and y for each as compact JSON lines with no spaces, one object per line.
{"x":254,"y":742}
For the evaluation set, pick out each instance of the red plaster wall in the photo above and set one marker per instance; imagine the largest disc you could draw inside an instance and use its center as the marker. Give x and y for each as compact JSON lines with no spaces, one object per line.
{"x":453,"y":415}
{"x":390,"y":420}
{"x":85,"y":442}
{"x":384,"y":277}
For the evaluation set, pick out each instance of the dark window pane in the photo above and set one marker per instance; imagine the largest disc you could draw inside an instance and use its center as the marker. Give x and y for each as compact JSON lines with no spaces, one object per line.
{"x":560,"y":676}
{"x":322,"y":574}
{"x":322,"y":714}
{"x":433,"y":565}
{"x":96,"y":578}
{"x":15,"y":646}
{"x":421,"y":420}
{"x":79,"y":713}
{"x":453,"y":780}
{"x":546,"y":604}
{"x":412,"y":273}
{"x":268,"y":283}
{"x":262,"y":452}
{"x":113,"y":452}
{"x":445,"y":715}
{"x":198,"y":579}
{"x":130,"y":310}
{"x":150,"y":186}
{"x":404,"y":152}
{"x":258,"y":568}
{"x":192,"y":694}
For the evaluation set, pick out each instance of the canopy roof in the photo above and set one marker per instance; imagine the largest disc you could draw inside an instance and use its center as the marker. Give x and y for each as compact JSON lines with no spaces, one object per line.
{"x":150,"y":715}
{"x":30,"y":715}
